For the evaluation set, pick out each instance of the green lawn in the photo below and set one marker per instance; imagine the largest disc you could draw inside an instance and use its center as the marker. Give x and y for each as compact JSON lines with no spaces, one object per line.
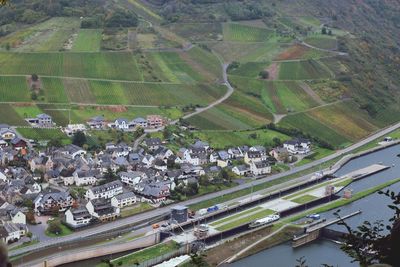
{"x":316,"y":154}
{"x":304,"y":199}
{"x":88,"y":40}
{"x":44,"y":134}
{"x":146,"y":254}
{"x":138,"y":208}
{"x":64,"y":231}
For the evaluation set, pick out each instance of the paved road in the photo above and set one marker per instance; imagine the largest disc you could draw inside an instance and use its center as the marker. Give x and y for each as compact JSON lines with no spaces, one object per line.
{"x":75,"y":237}
{"x":217,"y":102}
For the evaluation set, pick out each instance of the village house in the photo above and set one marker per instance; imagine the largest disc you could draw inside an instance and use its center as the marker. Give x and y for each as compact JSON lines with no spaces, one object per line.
{"x":83,"y":178}
{"x":260,"y":168}
{"x":41,"y":120}
{"x":132,"y":178}
{"x":41,"y":163}
{"x":102,"y":209}
{"x":154,"y":192}
{"x":72,"y":129}
{"x":241,"y":170}
{"x":19,"y":144}
{"x":139,"y":122}
{"x":280,"y":154}
{"x":152,"y":143}
{"x":123,"y":200}
{"x":120,"y":124}
{"x":78,"y":217}
{"x":52,"y":202}
{"x":255,"y":155}
{"x":7,"y":134}
{"x":299,"y":146}
{"x":107,"y":190}
{"x":73,"y":151}
{"x":223,"y":159}
{"x":97,"y":122}
{"x":12,"y":232}
{"x":155,"y":121}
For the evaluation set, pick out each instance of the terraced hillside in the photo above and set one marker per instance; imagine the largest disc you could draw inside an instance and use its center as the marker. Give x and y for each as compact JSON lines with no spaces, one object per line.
{"x":292,"y":64}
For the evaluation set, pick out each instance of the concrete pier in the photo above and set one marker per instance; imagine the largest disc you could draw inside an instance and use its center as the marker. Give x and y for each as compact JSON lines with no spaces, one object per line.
{"x":367,"y":171}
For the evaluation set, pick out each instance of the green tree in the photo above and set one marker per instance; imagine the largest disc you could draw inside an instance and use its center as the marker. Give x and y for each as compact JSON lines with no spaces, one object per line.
{"x":55,"y":142}
{"x":371,"y":236}
{"x":264,"y":74}
{"x":79,"y":139}
{"x":55,"y":227}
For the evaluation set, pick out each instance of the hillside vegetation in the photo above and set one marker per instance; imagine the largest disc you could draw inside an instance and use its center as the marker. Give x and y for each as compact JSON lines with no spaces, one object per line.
{"x":322,"y":69}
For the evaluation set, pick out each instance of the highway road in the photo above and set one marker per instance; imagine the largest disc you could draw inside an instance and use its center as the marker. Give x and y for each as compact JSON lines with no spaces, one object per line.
{"x":103,"y":228}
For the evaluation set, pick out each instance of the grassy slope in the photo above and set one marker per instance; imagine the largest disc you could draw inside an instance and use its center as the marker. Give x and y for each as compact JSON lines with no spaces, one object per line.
{"x":88,"y":40}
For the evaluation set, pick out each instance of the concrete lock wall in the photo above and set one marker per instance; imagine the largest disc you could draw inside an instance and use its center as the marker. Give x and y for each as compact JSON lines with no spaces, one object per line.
{"x":95,"y":252}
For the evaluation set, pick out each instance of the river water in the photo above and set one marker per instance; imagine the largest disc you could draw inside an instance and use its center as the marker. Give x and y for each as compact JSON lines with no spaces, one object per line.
{"x":373,"y":207}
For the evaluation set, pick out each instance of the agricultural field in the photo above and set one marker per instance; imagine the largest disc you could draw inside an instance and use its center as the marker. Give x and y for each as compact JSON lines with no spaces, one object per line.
{"x":88,"y":40}
{"x":53,"y":90}
{"x":239,"y":112}
{"x":346,"y":119}
{"x":303,"y":70}
{"x":12,"y":118}
{"x":115,"y":39}
{"x":235,"y":32}
{"x":198,"y":31}
{"x":154,"y":94}
{"x":115,"y":66}
{"x":173,"y":68}
{"x":225,"y":139}
{"x":322,"y":41}
{"x":50,"y":35}
{"x":14,"y":89}
{"x":78,"y":91}
{"x":205,"y":62}
{"x":309,"y":125}
{"x":217,"y":119}
{"x":288,"y":97}
{"x":298,"y":51}
{"x":250,"y":69}
{"x":329,"y":90}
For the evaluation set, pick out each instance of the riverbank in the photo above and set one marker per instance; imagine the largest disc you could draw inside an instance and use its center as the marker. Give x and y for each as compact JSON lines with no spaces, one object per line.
{"x":238,"y":248}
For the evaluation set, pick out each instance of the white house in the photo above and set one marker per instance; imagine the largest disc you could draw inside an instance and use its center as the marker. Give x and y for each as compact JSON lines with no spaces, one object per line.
{"x":241,"y":170}
{"x":254,"y":156}
{"x":83,"y":178}
{"x":7,"y":134}
{"x":298,"y":146}
{"x":104,"y":191}
{"x":260,"y":168}
{"x":123,"y":200}
{"x":12,"y":232}
{"x":18,"y":217}
{"x":71,"y":129}
{"x":121,"y":124}
{"x":132,"y":178}
{"x":78,"y":217}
